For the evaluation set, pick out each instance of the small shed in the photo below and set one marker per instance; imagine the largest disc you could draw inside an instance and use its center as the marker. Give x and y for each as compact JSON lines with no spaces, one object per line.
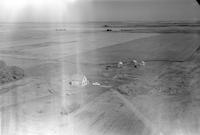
{"x":135,"y":63}
{"x":79,"y":80}
{"x":120,"y":64}
{"x":142,"y":63}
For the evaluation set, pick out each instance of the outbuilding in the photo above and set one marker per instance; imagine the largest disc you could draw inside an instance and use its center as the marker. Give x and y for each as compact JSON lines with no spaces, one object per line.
{"x":135,"y":63}
{"x":120,"y":64}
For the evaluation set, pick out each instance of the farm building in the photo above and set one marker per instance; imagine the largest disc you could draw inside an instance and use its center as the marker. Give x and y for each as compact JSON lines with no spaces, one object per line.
{"x":79,"y":80}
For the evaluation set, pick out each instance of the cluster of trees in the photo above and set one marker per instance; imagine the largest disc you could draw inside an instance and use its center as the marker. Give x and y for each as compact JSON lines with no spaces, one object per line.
{"x":10,"y":73}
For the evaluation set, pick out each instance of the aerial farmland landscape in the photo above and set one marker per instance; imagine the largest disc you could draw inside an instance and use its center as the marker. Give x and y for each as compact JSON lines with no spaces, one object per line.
{"x":100,"y":77}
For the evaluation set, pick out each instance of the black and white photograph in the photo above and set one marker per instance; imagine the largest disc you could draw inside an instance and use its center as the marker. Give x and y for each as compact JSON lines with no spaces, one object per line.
{"x":99,"y":67}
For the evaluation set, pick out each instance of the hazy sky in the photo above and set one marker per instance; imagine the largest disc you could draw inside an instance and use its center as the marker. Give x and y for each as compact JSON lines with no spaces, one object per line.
{"x":98,"y":10}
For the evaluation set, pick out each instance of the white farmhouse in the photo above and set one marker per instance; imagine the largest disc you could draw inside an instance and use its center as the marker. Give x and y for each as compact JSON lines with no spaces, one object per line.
{"x":79,"y":80}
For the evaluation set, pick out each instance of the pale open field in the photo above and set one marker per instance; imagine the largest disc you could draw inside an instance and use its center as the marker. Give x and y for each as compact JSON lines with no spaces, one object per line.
{"x":161,"y":98}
